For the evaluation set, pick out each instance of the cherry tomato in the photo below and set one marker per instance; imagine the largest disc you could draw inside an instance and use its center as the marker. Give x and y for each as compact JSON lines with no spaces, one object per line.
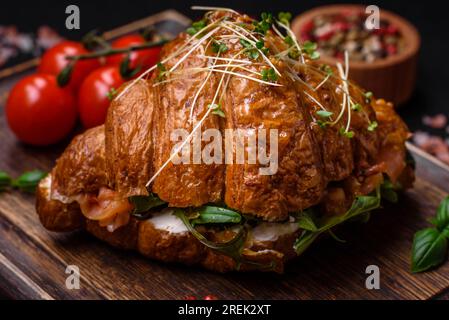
{"x":95,"y":95}
{"x":54,"y":61}
{"x":39,"y":112}
{"x":146,"y":58}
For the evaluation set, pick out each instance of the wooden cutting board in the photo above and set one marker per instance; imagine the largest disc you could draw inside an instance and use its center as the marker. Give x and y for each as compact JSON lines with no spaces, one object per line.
{"x":33,"y":261}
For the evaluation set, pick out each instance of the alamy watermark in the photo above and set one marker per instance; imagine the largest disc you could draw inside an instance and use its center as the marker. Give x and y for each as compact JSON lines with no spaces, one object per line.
{"x":241,"y":146}
{"x":372,"y":21}
{"x":72,"y":282}
{"x":372,"y":282}
{"x":73,"y":19}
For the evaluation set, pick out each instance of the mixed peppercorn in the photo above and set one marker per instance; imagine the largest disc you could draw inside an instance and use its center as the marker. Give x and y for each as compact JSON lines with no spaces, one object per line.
{"x":346,"y":31}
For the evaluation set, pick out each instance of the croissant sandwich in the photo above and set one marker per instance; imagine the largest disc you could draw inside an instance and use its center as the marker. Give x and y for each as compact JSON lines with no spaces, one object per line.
{"x":164,"y":175}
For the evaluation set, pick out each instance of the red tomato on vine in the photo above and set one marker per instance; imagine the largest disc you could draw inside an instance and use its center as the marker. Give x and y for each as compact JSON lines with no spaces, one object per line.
{"x":96,"y":93}
{"x":39,"y":112}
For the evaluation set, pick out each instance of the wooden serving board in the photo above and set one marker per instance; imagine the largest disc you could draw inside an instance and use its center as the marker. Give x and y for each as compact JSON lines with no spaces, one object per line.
{"x":33,"y":261}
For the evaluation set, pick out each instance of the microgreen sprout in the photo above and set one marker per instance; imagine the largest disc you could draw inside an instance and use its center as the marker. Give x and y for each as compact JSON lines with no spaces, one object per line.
{"x":111,"y":94}
{"x":324,"y":114}
{"x":246,"y":44}
{"x":314,"y":55}
{"x":196,"y":27}
{"x":368,"y":96}
{"x":326,"y":68}
{"x":161,"y":68}
{"x":260,"y":44}
{"x":347,"y":134}
{"x":322,"y":82}
{"x":293,"y":51}
{"x":322,"y":123}
{"x":264,"y":24}
{"x":251,"y":51}
{"x":289,"y":40}
{"x":285,"y":17}
{"x":216,"y":109}
{"x":310,"y":49}
{"x":372,"y":126}
{"x":219,"y":47}
{"x":356,"y":107}
{"x":269,"y":75}
{"x":232,"y":27}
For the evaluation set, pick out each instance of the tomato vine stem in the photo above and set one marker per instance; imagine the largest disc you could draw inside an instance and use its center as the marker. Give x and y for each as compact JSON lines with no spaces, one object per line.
{"x":110,"y":52}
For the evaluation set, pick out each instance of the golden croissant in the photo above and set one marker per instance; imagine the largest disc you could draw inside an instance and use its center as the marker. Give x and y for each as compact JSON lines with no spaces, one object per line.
{"x":339,"y":151}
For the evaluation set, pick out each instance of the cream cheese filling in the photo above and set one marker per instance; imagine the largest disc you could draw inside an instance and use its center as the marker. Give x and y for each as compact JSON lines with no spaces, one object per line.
{"x":166,"y":219}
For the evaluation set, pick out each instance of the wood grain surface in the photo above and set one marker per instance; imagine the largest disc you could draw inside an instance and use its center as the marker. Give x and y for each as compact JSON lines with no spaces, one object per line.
{"x":33,"y":261}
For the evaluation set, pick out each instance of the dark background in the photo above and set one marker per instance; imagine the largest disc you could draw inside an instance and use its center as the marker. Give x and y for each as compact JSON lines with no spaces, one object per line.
{"x":430,"y":17}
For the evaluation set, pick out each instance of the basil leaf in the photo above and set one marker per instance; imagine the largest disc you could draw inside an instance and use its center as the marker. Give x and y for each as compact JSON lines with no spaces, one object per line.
{"x":304,"y":241}
{"x":305,"y":221}
{"x":361,"y":205}
{"x":441,"y":221}
{"x":232,"y":248}
{"x":29,"y":180}
{"x":145,"y":203}
{"x":5,"y":180}
{"x":429,"y":249}
{"x":213,"y":214}
{"x":387,"y":190}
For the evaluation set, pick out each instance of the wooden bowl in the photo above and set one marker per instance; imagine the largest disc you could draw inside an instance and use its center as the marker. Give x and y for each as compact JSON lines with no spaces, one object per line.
{"x":392,"y":78}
